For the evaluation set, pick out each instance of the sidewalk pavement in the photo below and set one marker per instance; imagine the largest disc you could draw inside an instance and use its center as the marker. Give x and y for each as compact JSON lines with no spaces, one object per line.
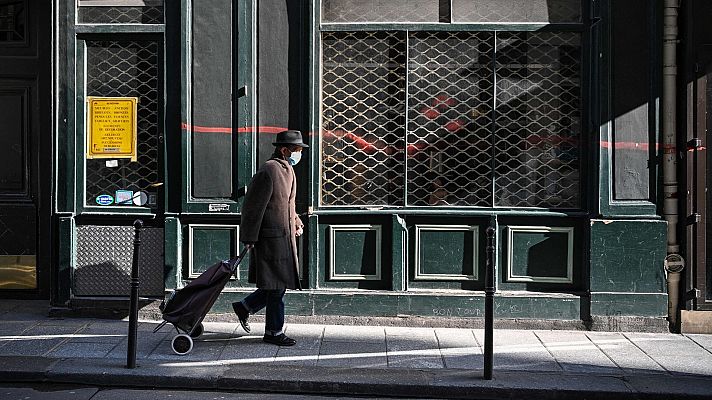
{"x":357,"y":360}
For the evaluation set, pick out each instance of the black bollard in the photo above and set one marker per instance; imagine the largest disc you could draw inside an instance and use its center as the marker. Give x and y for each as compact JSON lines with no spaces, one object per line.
{"x":133,"y":308}
{"x":489,"y":302}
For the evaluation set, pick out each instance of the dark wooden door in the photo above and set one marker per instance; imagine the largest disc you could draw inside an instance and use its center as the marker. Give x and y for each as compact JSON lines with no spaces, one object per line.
{"x":25,"y":134}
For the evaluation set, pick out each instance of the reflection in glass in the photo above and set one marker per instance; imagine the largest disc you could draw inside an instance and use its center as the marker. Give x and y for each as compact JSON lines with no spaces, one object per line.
{"x":18,"y":272}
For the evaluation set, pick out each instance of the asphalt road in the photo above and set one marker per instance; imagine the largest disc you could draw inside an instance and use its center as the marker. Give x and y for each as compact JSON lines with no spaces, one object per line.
{"x":66,"y":392}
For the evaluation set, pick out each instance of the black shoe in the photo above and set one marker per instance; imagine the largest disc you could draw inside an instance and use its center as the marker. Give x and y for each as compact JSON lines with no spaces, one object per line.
{"x":242,"y":315}
{"x":279,"y":340}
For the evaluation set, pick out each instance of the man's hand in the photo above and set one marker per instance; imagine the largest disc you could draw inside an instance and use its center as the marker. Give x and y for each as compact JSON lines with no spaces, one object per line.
{"x":300,"y":230}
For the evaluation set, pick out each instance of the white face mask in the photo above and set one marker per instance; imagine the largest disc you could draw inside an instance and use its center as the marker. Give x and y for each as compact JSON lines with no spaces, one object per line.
{"x":294,"y":157}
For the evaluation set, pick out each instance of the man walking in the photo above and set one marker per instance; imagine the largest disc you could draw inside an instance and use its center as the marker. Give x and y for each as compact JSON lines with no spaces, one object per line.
{"x":269,"y":227}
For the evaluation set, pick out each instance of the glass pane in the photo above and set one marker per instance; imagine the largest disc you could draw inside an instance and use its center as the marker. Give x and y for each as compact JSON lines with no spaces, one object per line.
{"x":212,"y":131}
{"x":13,"y":120}
{"x":450,"y":90}
{"x":380,"y":10}
{"x":538,"y":120}
{"x":125,"y":69}
{"x":516,"y":11}
{"x":13,"y":22}
{"x":18,"y":272}
{"x":120,"y":11}
{"x":363,"y":98}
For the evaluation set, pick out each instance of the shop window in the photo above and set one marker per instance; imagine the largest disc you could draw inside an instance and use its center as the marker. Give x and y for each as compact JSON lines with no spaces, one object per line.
{"x":484,"y":119}
{"x":120,"y":12}
{"x":126,"y":69}
{"x":380,"y":10}
{"x":493,"y":11}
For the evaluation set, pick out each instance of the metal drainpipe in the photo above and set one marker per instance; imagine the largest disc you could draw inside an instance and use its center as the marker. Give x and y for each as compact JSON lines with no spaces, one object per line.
{"x":670,"y":202}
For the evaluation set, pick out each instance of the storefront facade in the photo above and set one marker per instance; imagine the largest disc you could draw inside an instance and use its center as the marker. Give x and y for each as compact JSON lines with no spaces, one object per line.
{"x":428,"y":121}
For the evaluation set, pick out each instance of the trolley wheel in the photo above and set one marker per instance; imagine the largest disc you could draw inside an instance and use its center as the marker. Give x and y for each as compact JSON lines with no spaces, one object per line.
{"x":197,"y":331}
{"x":182,"y":344}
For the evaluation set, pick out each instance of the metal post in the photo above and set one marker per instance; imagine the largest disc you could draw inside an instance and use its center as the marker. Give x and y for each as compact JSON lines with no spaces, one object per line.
{"x":133,"y":308}
{"x":489,"y":302}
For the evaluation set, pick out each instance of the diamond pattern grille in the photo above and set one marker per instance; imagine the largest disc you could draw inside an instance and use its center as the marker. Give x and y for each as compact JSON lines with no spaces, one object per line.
{"x":537,"y":152}
{"x":125,"y":69}
{"x":363,"y":94}
{"x":380,"y":11}
{"x":492,"y":11}
{"x":121,"y":15}
{"x":493,"y":119}
{"x":450,"y":118}
{"x":104,"y":256}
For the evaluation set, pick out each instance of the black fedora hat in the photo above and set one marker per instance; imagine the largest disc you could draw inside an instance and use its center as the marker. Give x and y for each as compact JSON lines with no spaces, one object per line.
{"x":291,"y":137}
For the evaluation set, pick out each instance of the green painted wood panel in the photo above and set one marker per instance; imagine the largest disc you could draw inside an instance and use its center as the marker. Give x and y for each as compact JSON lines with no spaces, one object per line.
{"x":172,"y":259}
{"x":627,"y":256}
{"x":629,"y":304}
{"x":208,"y":245}
{"x":539,"y":256}
{"x":382,"y":304}
{"x":446,"y":254}
{"x":354,"y":254}
{"x":351,"y":255}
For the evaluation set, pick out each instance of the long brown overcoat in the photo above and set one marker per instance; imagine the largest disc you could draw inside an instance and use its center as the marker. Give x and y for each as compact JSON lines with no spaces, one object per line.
{"x":269,"y":220}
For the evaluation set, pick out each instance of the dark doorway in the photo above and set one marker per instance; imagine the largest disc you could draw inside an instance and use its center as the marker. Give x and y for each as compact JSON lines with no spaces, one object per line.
{"x":25,"y":147}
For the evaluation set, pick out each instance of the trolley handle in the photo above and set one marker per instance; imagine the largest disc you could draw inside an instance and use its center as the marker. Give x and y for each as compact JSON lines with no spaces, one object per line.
{"x":236,"y":261}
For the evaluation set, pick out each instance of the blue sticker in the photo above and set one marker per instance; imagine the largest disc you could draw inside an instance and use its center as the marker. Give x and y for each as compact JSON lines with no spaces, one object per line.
{"x":104,"y":200}
{"x":124,"y":197}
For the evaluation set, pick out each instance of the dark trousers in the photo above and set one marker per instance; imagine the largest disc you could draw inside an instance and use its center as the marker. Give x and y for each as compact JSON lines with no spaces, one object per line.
{"x":273,"y":300}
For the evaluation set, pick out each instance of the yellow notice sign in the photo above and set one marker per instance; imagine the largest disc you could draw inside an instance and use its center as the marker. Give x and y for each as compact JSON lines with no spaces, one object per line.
{"x":111,"y":126}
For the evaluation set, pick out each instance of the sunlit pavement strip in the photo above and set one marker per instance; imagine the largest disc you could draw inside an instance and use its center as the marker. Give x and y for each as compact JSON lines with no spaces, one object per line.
{"x":575,"y":346}
{"x":44,"y":337}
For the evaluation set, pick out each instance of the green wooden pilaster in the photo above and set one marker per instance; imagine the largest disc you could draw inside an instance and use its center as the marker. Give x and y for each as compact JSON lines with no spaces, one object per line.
{"x":172,"y":253}
{"x":313,"y":268}
{"x":399,"y":254}
{"x":65,"y":264}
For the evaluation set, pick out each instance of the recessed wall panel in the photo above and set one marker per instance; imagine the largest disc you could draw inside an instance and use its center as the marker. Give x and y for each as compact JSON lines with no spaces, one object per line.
{"x":539,"y":254}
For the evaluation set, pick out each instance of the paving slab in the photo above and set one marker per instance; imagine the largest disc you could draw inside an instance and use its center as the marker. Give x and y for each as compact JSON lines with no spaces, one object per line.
{"x":575,"y":352}
{"x":353,"y":355}
{"x":663,"y":344}
{"x":416,"y":349}
{"x":624,"y":353}
{"x":249,"y":349}
{"x":704,"y":341}
{"x":146,"y":344}
{"x":517,"y":350}
{"x":686,"y":364}
{"x":89,"y":350}
{"x":338,"y":333}
{"x":297,"y":357}
{"x":308,"y":337}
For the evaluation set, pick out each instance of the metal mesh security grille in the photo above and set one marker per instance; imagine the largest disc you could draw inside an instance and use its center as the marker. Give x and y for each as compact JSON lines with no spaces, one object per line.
{"x":125,"y":69}
{"x":121,"y":15}
{"x":450,"y":85}
{"x":104,"y":257}
{"x":493,"y":119}
{"x":363,"y":99}
{"x":492,"y":11}
{"x":380,"y":11}
{"x":537,"y":120}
